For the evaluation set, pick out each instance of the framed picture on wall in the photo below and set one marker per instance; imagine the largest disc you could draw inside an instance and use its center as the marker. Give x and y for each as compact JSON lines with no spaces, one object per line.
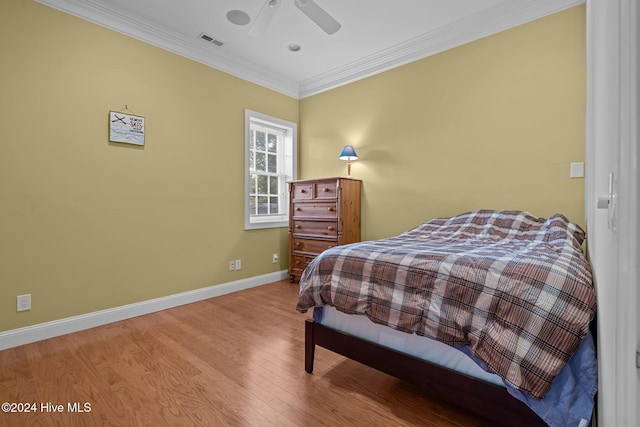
{"x":126,"y":128}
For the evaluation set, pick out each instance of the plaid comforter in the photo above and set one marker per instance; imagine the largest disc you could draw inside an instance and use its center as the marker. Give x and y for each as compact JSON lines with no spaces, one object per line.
{"x":514,"y":288}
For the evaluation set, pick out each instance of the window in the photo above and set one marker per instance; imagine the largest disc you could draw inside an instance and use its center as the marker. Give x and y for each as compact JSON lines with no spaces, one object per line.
{"x":270,"y":161}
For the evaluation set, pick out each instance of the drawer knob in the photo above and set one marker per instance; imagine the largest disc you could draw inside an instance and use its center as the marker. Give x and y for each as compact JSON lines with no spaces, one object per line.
{"x":298,"y":226}
{"x":298,"y":209}
{"x":331,"y":228}
{"x":330,"y":209}
{"x":325,"y":189}
{"x":298,"y":244}
{"x":303,"y":190}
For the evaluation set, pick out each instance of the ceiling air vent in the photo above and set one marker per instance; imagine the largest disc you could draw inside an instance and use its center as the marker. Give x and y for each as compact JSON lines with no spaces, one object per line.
{"x":210,"y":39}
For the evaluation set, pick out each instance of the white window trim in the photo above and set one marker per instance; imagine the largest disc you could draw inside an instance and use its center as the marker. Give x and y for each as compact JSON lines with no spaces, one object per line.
{"x":274,"y":221}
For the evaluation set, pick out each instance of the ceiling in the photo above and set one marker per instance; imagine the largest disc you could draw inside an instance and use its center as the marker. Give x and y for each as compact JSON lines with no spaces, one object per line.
{"x":375,"y":35}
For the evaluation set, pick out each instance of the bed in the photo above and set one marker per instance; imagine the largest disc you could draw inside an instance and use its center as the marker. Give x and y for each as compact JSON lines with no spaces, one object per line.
{"x":508,"y":292}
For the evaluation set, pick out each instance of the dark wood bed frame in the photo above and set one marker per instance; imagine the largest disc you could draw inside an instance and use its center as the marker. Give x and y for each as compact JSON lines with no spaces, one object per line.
{"x":480,"y":397}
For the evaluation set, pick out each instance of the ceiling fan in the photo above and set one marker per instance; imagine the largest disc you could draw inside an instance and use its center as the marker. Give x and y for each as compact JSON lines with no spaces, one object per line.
{"x":309,"y":7}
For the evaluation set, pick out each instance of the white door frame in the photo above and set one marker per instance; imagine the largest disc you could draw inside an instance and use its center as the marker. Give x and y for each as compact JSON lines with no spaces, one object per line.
{"x":613,"y":233}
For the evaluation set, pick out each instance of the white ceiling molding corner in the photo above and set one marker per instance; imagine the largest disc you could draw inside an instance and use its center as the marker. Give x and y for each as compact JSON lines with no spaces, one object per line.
{"x":500,"y":17}
{"x":93,"y":11}
{"x":490,"y":21}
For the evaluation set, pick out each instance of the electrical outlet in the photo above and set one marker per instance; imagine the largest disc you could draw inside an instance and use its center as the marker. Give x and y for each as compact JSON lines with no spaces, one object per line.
{"x":23,"y":302}
{"x":276,"y":258}
{"x":232,"y":265}
{"x":238,"y":264}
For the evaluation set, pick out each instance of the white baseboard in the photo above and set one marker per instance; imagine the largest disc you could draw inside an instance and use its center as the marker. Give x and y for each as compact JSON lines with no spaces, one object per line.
{"x":42,"y":331}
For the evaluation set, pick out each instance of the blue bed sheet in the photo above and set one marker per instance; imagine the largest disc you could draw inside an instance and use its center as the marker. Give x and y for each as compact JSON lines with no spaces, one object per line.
{"x":570,"y":400}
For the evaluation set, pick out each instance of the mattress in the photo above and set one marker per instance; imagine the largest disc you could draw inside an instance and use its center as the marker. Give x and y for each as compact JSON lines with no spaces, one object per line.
{"x":421,"y":347}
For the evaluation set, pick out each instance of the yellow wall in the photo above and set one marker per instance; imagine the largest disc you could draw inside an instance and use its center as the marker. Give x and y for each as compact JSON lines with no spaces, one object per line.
{"x":86,"y":224}
{"x":492,"y":124}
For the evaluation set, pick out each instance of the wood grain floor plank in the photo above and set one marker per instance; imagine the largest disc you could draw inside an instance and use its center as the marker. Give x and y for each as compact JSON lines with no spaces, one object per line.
{"x":234,"y":360}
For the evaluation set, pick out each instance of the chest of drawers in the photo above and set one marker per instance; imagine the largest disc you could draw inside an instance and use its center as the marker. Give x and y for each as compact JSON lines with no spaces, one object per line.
{"x":323,"y":213}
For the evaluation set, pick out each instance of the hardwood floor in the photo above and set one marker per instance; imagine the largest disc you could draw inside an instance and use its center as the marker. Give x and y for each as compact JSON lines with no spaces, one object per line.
{"x":233,"y":360}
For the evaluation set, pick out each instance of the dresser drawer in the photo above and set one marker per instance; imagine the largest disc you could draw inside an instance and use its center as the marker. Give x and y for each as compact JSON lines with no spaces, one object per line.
{"x":300,"y":262}
{"x":316,"y":228}
{"x":315,"y":210}
{"x":312,"y":245}
{"x":326,"y":190}
{"x":302,"y":191}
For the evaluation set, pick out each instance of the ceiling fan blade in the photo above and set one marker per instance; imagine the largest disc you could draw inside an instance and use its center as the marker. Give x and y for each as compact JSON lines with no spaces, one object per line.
{"x":318,"y":15}
{"x":264,"y":17}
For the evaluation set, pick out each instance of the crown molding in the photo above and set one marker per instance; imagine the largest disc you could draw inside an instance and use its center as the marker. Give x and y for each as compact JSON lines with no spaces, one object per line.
{"x":490,"y":21}
{"x":505,"y":15}
{"x":192,"y":48}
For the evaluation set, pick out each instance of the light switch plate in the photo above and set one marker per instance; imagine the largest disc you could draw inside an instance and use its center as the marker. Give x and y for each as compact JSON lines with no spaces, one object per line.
{"x":577,"y":170}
